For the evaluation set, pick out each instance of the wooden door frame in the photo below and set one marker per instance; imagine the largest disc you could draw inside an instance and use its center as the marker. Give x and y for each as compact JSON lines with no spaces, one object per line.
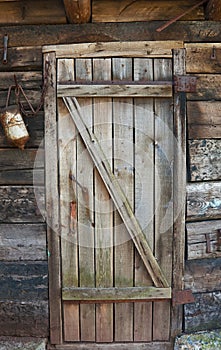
{"x":51,"y":53}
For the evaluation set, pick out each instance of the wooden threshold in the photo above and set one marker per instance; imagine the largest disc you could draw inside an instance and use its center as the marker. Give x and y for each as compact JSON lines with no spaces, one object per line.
{"x":101,"y":295}
{"x":118,"y":346}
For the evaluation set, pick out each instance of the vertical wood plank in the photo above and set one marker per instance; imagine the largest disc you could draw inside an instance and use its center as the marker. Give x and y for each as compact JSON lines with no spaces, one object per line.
{"x":163,"y":195}
{"x":52,"y":199}
{"x":179,"y":190}
{"x":144,"y":191}
{"x":68,"y":201}
{"x":123,"y":169}
{"x":103,"y":205}
{"x":85,"y":178}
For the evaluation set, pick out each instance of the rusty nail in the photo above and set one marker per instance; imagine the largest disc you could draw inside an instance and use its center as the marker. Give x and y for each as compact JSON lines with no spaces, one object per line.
{"x":213,"y":54}
{"x":5,"y":53}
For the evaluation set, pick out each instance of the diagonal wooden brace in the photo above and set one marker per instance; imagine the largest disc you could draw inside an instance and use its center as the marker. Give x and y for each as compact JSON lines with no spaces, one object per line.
{"x":116,"y":193}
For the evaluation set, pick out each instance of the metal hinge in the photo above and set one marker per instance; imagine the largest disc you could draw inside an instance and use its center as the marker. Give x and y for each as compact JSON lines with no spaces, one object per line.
{"x":185,"y":83}
{"x":181,"y":297}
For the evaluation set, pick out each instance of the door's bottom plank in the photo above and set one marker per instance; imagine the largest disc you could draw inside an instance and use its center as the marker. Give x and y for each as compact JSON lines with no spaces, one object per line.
{"x":118,"y":346}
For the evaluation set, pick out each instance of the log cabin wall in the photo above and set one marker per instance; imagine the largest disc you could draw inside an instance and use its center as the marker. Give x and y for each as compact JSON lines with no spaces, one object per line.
{"x":23,"y":249}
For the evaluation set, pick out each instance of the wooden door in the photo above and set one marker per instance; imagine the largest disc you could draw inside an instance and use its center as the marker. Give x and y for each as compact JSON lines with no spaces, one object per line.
{"x":111,"y":151}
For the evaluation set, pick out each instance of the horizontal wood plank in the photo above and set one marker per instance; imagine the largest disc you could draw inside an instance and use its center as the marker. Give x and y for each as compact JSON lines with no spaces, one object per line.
{"x":203,"y":201}
{"x":19,"y":242}
{"x":198,"y":58}
{"x":17,"y":167}
{"x":115,"y":90}
{"x":25,"y":58}
{"x":143,"y":10}
{"x":28,"y":80}
{"x":34,"y":97}
{"x":24,"y":281}
{"x":115,"y":294}
{"x":37,"y":35}
{"x":121,"y":346}
{"x":204,"y":160}
{"x":18,"y":204}
{"x":204,"y":119}
{"x":204,"y":314}
{"x":11,"y":159}
{"x":32,"y":12}
{"x":203,"y":275}
{"x":197,"y":233}
{"x":113,"y":49}
{"x":24,"y":319}
{"x":208,"y":88}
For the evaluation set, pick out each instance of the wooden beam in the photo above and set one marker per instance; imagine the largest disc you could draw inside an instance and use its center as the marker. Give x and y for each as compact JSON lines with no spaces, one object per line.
{"x":78,"y":11}
{"x":143,"y":10}
{"x":213,"y":10}
{"x":37,"y":35}
{"x":113,"y":49}
{"x":129,"y":294}
{"x":115,"y":90}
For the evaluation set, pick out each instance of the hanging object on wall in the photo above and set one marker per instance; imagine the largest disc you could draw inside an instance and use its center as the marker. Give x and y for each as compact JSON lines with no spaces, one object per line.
{"x":13,"y":123}
{"x":14,"y":127}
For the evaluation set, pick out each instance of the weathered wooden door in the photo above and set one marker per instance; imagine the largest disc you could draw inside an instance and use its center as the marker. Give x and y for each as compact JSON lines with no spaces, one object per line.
{"x":112,"y":194}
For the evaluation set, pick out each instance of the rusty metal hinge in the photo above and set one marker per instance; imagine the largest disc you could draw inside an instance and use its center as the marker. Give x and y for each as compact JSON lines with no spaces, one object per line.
{"x":185,"y":83}
{"x":181,"y":297}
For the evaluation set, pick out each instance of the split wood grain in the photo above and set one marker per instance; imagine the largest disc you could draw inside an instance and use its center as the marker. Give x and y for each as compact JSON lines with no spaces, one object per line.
{"x":204,"y":119}
{"x":143,"y":191}
{"x":29,"y":80}
{"x":18,"y":204}
{"x":67,"y":197}
{"x":203,"y":276}
{"x":118,"y":294}
{"x":104,"y":232}
{"x":52,"y":200}
{"x":24,"y":281}
{"x":179,"y":191}
{"x":22,"y":242}
{"x":113,"y":49}
{"x":208,"y":88}
{"x":163,"y":214}
{"x":203,"y":58}
{"x":203,"y":201}
{"x":85,"y":196}
{"x":125,"y":11}
{"x":16,"y":317}
{"x":117,"y":90}
{"x":35,"y":35}
{"x":23,"y":58}
{"x":123,"y":165}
